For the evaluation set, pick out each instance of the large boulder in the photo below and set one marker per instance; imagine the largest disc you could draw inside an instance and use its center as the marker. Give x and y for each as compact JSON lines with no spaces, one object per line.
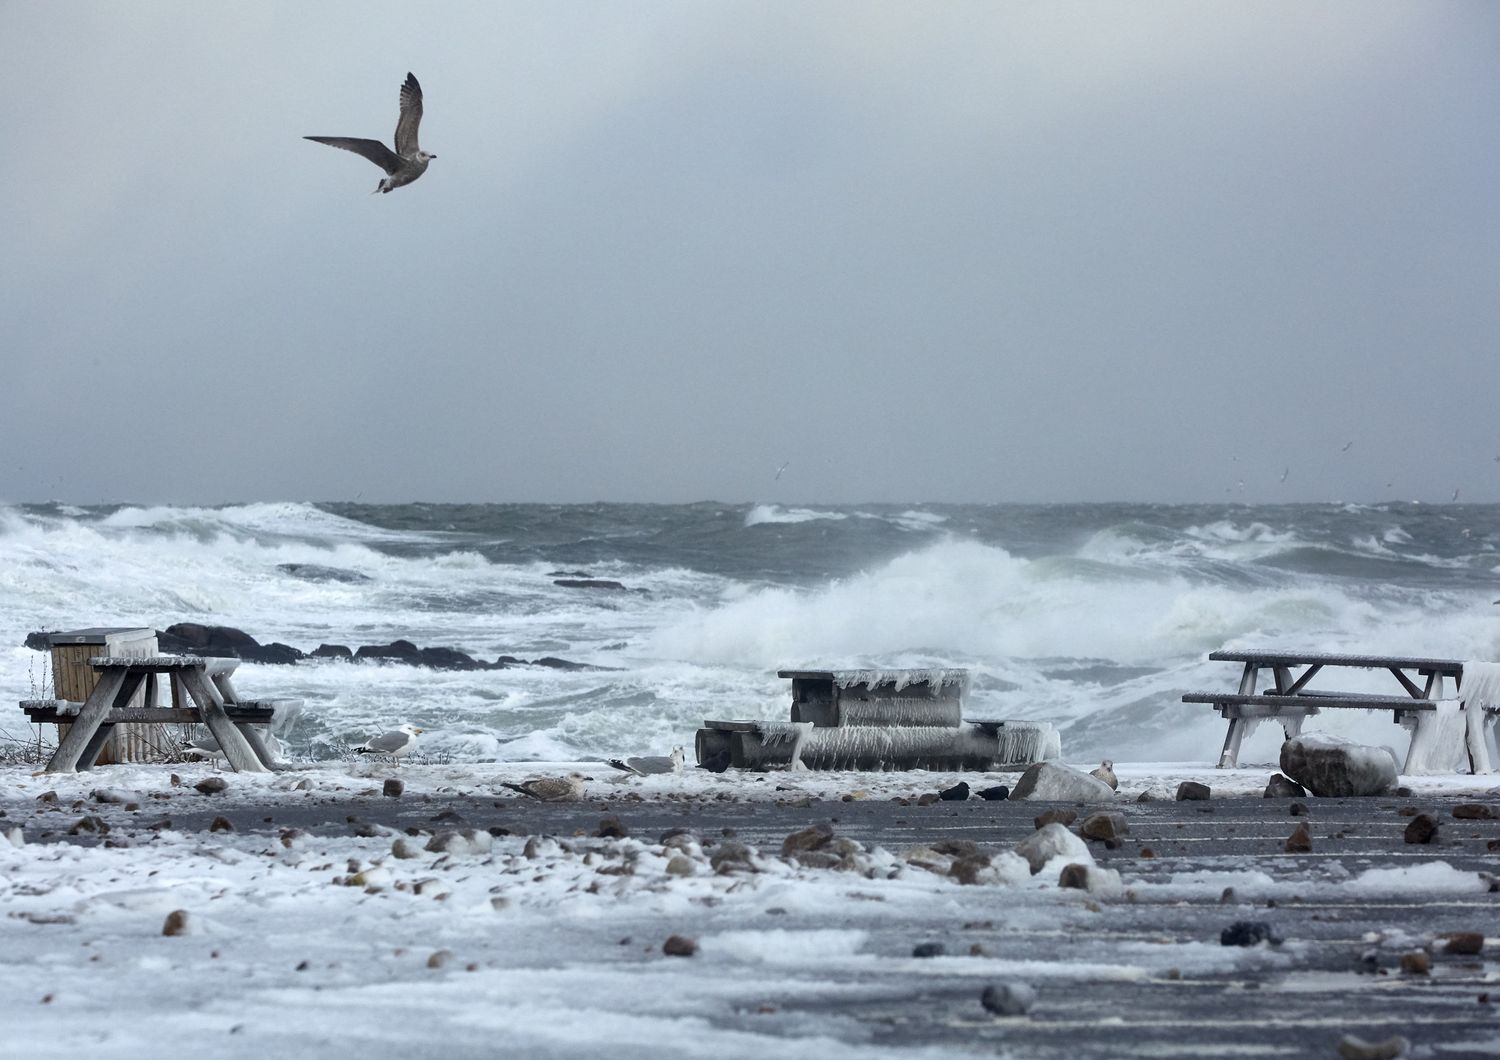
{"x":1332,"y":767}
{"x":193,"y":638}
{"x":1054,"y":782}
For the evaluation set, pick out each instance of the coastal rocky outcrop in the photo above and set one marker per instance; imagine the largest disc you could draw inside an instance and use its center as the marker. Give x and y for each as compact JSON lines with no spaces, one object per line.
{"x":1332,"y":767}
{"x":193,"y":638}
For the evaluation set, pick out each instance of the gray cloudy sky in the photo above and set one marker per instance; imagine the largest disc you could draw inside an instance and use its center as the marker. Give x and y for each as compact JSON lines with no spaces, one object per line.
{"x":990,"y":252}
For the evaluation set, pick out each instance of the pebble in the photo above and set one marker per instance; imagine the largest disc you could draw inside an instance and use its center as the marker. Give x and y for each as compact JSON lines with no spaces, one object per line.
{"x":681,"y":865}
{"x":679,"y":946}
{"x":210,"y":785}
{"x":611,"y":828}
{"x":1074,"y":877}
{"x":1192,"y":791}
{"x":928,"y":798}
{"x":1104,"y":826}
{"x":439,"y":958}
{"x":1055,"y":816}
{"x":1008,"y":999}
{"x":1416,"y":963}
{"x":177,"y":923}
{"x":1281,"y":786}
{"x":1300,"y":841}
{"x":406,"y":848}
{"x":1298,"y":809}
{"x":1248,"y":933}
{"x":1466,"y":943}
{"x":221,"y":824}
{"x":813,"y":837}
{"x":89,"y":823}
{"x":1474,"y":811}
{"x":1353,"y":1048}
{"x":1422,"y":829}
{"x":393,"y":788}
{"x":929,"y":949}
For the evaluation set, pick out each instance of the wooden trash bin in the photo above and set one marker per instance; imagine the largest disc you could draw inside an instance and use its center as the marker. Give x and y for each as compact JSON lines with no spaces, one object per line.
{"x":73,"y":679}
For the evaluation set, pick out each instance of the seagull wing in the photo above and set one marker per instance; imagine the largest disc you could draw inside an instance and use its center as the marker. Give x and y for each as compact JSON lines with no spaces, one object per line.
{"x":411,"y":117}
{"x":374,"y":150}
{"x":387,"y":742}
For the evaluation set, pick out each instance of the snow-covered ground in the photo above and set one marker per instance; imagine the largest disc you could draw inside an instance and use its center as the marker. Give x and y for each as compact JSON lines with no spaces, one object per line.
{"x":318,"y":942}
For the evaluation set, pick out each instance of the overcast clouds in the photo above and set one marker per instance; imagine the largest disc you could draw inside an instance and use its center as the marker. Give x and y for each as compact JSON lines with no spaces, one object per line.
{"x":983,"y":252}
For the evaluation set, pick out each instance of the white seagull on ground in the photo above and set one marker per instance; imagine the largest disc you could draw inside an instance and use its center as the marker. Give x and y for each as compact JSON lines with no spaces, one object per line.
{"x":408,"y":161}
{"x":647,"y":765}
{"x":395,"y":743}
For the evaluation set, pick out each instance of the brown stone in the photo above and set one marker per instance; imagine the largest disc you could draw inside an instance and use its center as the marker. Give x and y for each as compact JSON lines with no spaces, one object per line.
{"x":176,"y":923}
{"x":1466,"y":943}
{"x":211,"y":785}
{"x":1415,"y":963}
{"x":1300,"y":841}
{"x":1104,"y":826}
{"x":927,"y":799}
{"x":679,"y":946}
{"x":811,"y":838}
{"x":1422,"y":829}
{"x":1474,"y":811}
{"x":221,"y":824}
{"x":393,"y":788}
{"x":1192,"y":791}
{"x":1074,"y":876}
{"x":611,"y":828}
{"x":1055,"y":816}
{"x":1299,"y":809}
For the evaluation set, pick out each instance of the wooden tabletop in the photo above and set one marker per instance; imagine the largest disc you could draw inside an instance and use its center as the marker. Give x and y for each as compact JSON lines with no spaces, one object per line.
{"x":1372,"y":662}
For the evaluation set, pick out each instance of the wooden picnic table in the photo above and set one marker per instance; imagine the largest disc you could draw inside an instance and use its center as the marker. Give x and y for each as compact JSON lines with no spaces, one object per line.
{"x":1290,"y":699}
{"x":227,"y":717}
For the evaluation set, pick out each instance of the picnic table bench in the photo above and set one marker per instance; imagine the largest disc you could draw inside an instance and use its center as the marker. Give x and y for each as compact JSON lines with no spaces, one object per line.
{"x":202,"y":693}
{"x":1290,"y":700}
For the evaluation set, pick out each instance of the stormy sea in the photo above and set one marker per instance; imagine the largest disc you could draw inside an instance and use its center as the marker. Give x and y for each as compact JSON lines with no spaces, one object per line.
{"x":1094,"y":617}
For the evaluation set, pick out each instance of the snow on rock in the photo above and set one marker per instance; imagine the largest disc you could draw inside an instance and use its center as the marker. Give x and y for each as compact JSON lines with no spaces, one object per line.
{"x":1332,"y":767}
{"x":1053,"y":842}
{"x":1055,"y":782}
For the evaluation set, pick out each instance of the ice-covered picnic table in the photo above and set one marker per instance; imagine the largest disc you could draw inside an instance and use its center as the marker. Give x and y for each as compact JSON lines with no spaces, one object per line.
{"x":1456,"y":726}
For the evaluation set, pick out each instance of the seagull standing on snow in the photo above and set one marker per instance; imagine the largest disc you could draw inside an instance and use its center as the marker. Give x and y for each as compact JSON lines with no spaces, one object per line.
{"x":395,"y":743}
{"x":1106,"y":773}
{"x":408,"y":161}
{"x":552,"y":789}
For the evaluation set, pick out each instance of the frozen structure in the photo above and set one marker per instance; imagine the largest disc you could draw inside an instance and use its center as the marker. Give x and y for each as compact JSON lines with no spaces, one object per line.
{"x":877,"y":720}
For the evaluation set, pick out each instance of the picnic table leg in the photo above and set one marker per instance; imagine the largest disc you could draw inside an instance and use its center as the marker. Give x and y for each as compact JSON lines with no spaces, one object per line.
{"x":90,"y":753}
{"x":239,"y":754}
{"x":1229,"y":758}
{"x":101,"y":700}
{"x":252,"y":737}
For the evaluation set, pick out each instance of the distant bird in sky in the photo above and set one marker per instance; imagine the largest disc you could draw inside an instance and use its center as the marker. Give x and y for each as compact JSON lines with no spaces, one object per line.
{"x":1347,"y":444}
{"x":1455,"y":497}
{"x":787,"y":463}
{"x":395,"y":743}
{"x":552,"y":789}
{"x":408,"y":161}
{"x":1285,"y":472}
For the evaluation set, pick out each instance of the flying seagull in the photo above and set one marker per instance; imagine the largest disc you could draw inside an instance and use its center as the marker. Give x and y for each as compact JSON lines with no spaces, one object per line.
{"x":787,"y":464}
{"x":552,"y":789}
{"x":649,"y":764}
{"x":395,"y":743}
{"x":408,"y":161}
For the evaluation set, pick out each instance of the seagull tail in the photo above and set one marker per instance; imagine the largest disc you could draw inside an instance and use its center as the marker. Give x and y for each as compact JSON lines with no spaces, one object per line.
{"x":517,"y":787}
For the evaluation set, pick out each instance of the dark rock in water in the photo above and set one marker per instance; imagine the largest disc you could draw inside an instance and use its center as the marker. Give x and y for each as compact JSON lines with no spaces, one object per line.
{"x":811,"y":838}
{"x":569,"y":574}
{"x":998,"y":793}
{"x":1474,"y":811}
{"x":1008,"y":999}
{"x":1333,"y":768}
{"x":958,"y":793}
{"x":1422,"y":828}
{"x":928,"y":949}
{"x":1248,"y":933}
{"x":1300,"y":841}
{"x":211,"y":785}
{"x":1055,"y":816}
{"x":1464,"y":943}
{"x":399,"y":650}
{"x":679,"y":946}
{"x":1103,"y":826}
{"x":1074,"y":877}
{"x":277,"y":654}
{"x":404,"y":651}
{"x":1351,"y":1047}
{"x":553,"y":663}
{"x":314,"y":572}
{"x":1192,"y":791}
{"x":333,"y":651}
{"x":611,"y":828}
{"x":1284,"y":787}
{"x":717,"y":762}
{"x":192,"y":638}
{"x":588,"y":583}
